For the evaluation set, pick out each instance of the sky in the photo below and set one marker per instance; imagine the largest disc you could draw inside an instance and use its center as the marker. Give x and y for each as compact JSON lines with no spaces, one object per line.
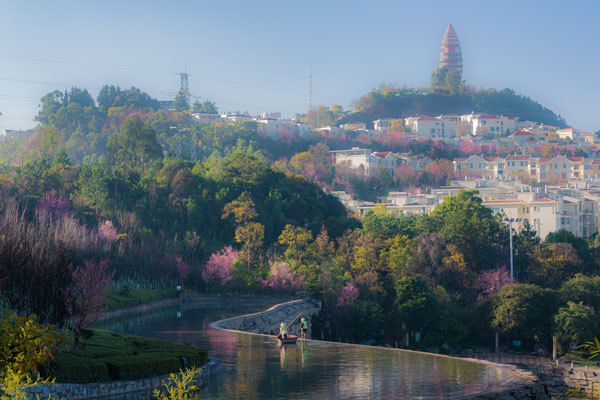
{"x":254,"y":55}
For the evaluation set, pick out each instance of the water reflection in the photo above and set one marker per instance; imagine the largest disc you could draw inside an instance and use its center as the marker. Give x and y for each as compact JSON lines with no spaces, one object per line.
{"x":254,"y":366}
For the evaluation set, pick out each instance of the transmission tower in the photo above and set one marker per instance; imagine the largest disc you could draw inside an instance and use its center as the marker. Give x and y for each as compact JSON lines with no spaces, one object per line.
{"x":309,"y":90}
{"x":184,"y":87}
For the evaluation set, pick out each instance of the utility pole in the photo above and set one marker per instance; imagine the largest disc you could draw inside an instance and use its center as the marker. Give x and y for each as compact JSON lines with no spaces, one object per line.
{"x":309,"y":90}
{"x":511,"y":249}
{"x":510,"y":221}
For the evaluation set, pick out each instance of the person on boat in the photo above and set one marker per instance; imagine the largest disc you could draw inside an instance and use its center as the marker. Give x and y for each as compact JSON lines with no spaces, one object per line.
{"x":283,"y":331}
{"x":303,"y":328}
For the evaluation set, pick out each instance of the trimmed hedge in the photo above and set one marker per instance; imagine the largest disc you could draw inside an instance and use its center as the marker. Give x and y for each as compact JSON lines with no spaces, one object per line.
{"x":142,"y":366}
{"x":101,"y":356}
{"x":69,"y":367}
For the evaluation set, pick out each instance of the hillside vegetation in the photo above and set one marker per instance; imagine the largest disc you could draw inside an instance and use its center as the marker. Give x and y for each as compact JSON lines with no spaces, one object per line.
{"x":402,"y":103}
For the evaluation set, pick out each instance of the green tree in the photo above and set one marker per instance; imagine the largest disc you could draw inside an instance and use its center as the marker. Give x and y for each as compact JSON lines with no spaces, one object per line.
{"x":251,"y":236}
{"x":366,"y":322}
{"x":554,"y":264}
{"x":415,"y":303}
{"x":208,"y":107}
{"x":399,"y":255}
{"x":295,"y":240}
{"x":464,"y":222}
{"x":319,"y":116}
{"x":182,"y":102}
{"x":582,"y":288}
{"x":24,"y":346}
{"x":94,"y":184}
{"x":438,"y":77}
{"x":524,"y":311}
{"x":135,"y":146}
{"x":575,"y":323}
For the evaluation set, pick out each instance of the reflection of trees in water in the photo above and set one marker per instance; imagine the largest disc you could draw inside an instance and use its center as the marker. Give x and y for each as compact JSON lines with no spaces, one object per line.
{"x":136,"y":322}
{"x":254,"y":367}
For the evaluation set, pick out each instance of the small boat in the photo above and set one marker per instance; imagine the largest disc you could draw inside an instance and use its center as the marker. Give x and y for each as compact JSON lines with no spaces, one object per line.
{"x":290,"y":339}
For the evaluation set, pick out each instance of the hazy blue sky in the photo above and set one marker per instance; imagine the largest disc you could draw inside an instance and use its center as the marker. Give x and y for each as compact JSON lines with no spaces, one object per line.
{"x":254,"y":55}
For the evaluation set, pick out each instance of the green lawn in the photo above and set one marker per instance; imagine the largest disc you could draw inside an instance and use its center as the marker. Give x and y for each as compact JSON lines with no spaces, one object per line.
{"x":134,"y":297}
{"x":103,"y":356}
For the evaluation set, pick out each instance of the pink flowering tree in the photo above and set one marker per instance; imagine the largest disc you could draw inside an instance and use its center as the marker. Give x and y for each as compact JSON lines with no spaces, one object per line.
{"x":281,"y":278}
{"x":218,"y":268}
{"x":107,"y":231}
{"x":89,"y":292}
{"x":173,"y":268}
{"x":490,"y":281}
{"x":54,"y":206}
{"x":348,"y":296}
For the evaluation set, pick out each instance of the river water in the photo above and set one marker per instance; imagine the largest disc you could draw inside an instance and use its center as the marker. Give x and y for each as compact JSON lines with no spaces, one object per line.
{"x":254,"y":367}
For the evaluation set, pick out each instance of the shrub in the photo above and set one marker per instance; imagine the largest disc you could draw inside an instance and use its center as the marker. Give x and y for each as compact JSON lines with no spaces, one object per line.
{"x":122,"y":368}
{"x":70,"y":368}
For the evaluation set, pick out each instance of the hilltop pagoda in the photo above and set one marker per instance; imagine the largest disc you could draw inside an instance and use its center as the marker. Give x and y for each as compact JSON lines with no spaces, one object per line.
{"x":450,"y":53}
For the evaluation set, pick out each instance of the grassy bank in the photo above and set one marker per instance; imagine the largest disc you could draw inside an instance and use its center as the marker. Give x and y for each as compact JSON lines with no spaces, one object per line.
{"x":134,"y":297}
{"x":103,"y":356}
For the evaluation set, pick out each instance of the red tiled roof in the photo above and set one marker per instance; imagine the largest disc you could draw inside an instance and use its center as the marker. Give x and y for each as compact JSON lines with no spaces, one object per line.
{"x":517,"y":158}
{"x":544,"y":200}
{"x":596,"y":162}
{"x":502,"y":201}
{"x":490,"y":158}
{"x":427,"y":119}
{"x":460,"y":159}
{"x":546,"y":159}
{"x":576,"y":158}
{"x":382,"y":154}
{"x":486,"y":116}
{"x":521,"y":133}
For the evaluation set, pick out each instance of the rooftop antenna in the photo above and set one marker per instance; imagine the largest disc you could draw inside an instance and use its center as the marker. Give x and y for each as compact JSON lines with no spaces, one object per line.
{"x":309,"y":90}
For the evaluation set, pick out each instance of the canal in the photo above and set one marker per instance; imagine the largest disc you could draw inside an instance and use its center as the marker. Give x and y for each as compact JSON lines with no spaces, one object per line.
{"x":254,"y":367}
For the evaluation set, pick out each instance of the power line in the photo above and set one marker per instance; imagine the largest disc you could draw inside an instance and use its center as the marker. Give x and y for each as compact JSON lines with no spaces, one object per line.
{"x":46,"y":60}
{"x":121,"y":68}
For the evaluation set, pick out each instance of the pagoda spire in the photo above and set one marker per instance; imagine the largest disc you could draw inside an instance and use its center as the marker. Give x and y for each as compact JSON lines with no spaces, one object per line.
{"x":450,"y":52}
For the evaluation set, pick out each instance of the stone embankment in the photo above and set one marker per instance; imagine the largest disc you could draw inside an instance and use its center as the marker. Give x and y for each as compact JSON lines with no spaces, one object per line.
{"x":268,"y":321}
{"x":546,"y":380}
{"x":131,"y":390}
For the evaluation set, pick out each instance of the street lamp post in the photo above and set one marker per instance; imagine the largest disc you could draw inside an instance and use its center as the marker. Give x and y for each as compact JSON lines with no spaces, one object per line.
{"x":510,"y":221}
{"x":511,"y":250}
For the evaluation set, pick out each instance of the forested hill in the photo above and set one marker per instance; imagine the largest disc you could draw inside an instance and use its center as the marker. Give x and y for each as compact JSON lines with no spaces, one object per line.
{"x":407,"y":102}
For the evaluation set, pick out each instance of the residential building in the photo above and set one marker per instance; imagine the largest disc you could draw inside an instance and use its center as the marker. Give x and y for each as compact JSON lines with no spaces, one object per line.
{"x":487,"y":123}
{"x":568,"y":133}
{"x":355,"y":126}
{"x":366,"y":161}
{"x":383,"y":125}
{"x":517,"y":165}
{"x":515,"y":209}
{"x":442,"y":127}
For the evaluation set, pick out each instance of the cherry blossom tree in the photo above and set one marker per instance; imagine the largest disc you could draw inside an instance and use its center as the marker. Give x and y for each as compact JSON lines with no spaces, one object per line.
{"x":89,"y":292}
{"x":55,"y":206}
{"x":490,"y":281}
{"x":282,"y":278}
{"x":218,"y":268}
{"x":107,"y":231}
{"x":174,"y":268}
{"x":348,"y":296}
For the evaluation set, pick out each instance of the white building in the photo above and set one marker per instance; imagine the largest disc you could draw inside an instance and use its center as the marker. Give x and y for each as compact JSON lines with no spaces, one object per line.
{"x":441,"y":127}
{"x":366,"y":161}
{"x":383,"y":125}
{"x":495,"y":124}
{"x":544,"y":216}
